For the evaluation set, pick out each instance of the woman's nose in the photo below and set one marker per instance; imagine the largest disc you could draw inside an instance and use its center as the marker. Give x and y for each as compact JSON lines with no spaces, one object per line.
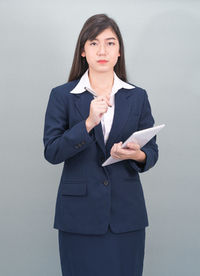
{"x":101,"y":49}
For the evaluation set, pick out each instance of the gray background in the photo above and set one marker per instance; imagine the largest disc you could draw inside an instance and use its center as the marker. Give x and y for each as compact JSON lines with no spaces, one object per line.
{"x":162,"y":55}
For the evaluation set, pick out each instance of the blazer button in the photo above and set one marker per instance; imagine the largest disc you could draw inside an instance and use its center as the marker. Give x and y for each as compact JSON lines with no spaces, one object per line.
{"x":105,"y":182}
{"x":83,"y":142}
{"x":80,"y":145}
{"x":76,"y":147}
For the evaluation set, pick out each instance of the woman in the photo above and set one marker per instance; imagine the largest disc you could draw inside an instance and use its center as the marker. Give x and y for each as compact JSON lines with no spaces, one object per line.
{"x":100,"y":211}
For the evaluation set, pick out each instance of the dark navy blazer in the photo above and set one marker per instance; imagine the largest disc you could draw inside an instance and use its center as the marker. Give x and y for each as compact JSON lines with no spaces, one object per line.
{"x":91,"y":196}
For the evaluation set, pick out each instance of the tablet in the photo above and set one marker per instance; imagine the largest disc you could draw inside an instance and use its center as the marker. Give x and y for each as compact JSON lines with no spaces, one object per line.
{"x":140,"y":137}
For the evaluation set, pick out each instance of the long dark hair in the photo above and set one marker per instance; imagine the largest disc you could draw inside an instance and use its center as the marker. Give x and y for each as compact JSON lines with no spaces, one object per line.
{"x":90,"y":30}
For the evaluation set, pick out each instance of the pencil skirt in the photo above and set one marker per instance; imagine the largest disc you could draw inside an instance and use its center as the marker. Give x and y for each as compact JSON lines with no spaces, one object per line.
{"x":119,"y":254}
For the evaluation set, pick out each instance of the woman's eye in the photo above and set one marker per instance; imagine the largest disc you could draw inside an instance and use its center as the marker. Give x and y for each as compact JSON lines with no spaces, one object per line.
{"x":93,"y":43}
{"x":109,"y":43}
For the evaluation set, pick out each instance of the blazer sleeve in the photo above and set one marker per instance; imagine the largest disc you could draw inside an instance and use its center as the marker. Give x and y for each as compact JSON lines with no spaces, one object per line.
{"x":150,"y":149}
{"x":60,"y":141}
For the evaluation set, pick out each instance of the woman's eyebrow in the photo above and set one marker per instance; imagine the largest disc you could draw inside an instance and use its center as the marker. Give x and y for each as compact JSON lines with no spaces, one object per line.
{"x":106,"y":38}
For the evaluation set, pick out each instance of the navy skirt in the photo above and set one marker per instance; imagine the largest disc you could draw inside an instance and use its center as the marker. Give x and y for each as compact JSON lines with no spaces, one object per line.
{"x":120,"y":254}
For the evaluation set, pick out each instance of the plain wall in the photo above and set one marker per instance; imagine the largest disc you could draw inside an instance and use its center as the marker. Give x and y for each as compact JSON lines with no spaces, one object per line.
{"x":162,"y":56}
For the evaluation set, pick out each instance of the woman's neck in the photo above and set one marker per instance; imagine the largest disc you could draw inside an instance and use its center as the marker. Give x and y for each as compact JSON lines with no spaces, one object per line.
{"x":101,"y":82}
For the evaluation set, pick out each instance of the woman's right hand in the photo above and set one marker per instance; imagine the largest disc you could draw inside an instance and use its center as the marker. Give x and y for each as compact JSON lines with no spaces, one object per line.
{"x":98,"y":107}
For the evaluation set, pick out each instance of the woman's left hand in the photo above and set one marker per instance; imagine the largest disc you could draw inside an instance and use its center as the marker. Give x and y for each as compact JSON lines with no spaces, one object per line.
{"x":132,"y":151}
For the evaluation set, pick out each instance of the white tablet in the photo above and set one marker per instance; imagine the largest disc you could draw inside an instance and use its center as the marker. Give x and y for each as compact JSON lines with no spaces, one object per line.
{"x":140,"y":137}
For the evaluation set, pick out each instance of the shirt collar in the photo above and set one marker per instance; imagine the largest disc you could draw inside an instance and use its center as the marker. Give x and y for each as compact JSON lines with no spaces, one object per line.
{"x":85,"y":82}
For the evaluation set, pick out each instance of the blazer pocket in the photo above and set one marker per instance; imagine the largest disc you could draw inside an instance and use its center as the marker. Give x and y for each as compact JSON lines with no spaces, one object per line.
{"x":76,"y":189}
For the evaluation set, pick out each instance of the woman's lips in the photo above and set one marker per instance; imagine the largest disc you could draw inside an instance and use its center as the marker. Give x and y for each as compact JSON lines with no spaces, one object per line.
{"x":102,"y":61}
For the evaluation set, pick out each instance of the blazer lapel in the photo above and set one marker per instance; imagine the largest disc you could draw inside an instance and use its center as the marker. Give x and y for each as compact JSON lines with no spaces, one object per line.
{"x":121,"y":114}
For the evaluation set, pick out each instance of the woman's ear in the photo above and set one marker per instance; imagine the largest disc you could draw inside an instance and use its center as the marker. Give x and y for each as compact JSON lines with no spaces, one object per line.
{"x":83,"y":54}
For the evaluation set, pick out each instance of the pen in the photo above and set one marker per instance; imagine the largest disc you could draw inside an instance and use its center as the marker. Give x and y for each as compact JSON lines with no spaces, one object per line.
{"x":94,"y":94}
{"x":88,"y":89}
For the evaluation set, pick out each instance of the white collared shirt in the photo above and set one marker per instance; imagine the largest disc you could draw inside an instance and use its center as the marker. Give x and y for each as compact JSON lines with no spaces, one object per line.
{"x":107,"y":118}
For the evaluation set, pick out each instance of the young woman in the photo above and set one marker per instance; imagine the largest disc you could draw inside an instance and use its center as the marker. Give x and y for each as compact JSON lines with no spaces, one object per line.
{"x":100,"y":211}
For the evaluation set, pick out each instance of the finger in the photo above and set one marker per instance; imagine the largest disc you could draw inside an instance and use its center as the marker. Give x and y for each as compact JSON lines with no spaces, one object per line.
{"x":101,"y":106}
{"x":108,"y":99}
{"x":103,"y":103}
{"x":112,"y":151}
{"x":101,"y":97}
{"x":115,"y":145}
{"x":115,"y":148}
{"x":101,"y":111}
{"x":104,"y":98}
{"x":119,"y":145}
{"x":115,"y":151}
{"x":108,"y":102}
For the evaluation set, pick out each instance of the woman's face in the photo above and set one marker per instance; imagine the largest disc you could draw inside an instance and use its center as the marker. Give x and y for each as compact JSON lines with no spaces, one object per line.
{"x":104,"y":47}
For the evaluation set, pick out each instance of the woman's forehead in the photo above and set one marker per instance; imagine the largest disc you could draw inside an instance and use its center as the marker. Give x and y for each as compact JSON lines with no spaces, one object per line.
{"x":107,"y":34}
